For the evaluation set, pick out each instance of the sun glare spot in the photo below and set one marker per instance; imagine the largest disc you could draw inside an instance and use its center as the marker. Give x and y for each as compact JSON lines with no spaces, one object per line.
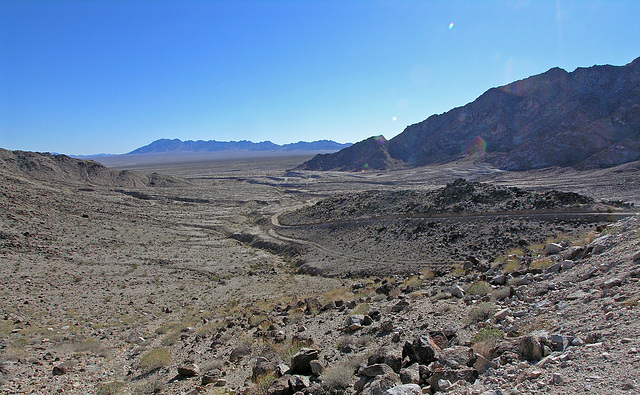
{"x":394,"y":119}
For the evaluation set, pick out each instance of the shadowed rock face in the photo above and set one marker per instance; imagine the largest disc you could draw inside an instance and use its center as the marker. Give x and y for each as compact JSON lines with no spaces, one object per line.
{"x":588,"y":118}
{"x":368,"y":154}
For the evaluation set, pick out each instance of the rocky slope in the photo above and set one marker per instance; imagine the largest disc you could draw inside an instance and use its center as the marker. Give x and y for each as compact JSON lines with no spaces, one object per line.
{"x":114,"y":293}
{"x":587,"y":118}
{"x":48,"y":167}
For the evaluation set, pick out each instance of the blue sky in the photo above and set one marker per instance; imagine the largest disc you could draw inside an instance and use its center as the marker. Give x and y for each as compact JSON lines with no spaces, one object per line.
{"x":87,"y":77}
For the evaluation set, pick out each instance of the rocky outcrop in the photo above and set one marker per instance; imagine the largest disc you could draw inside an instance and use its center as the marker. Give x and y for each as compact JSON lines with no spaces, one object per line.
{"x":371,"y":153}
{"x":62,"y":168}
{"x":587,"y":118}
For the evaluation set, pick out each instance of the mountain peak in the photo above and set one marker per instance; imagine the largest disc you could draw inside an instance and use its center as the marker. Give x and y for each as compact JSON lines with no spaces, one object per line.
{"x":586,"y":118}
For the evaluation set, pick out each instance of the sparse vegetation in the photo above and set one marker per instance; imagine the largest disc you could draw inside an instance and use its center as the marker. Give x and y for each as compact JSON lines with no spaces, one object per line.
{"x":480,"y":312}
{"x":480,"y":288}
{"x":155,"y":359}
{"x":338,"y":377}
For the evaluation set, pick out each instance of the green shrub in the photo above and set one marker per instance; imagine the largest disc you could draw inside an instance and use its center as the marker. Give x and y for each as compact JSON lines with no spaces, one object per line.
{"x":488,"y":335}
{"x":112,"y":388}
{"x":480,"y":288}
{"x":155,"y":359}
{"x":481,"y":312}
{"x":338,"y":377}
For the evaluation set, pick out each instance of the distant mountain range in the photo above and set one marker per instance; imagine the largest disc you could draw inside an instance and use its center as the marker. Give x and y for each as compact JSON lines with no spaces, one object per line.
{"x":588,"y":118}
{"x":176,"y":145}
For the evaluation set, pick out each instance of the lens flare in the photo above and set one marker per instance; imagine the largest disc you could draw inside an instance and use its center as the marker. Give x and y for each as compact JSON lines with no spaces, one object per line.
{"x":380,"y":139}
{"x":451,"y":26}
{"x":477,"y":148}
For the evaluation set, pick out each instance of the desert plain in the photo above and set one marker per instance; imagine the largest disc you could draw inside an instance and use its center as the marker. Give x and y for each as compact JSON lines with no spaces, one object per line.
{"x":222,"y":275}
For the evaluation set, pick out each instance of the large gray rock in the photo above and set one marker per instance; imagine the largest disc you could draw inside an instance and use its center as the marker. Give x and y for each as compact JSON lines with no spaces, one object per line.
{"x":469,"y":375}
{"x":378,"y":369}
{"x":405,"y":389}
{"x":456,"y":357}
{"x":188,"y":370}
{"x":264,"y":367}
{"x":422,"y":350}
{"x":380,"y":384}
{"x":301,"y":362}
{"x":410,"y":374}
{"x":532,"y":345}
{"x":552,"y":249}
{"x":599,"y":245}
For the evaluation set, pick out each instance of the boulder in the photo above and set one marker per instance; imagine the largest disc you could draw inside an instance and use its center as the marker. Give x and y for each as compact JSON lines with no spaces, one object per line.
{"x":405,"y":389}
{"x":552,"y":249}
{"x":377,"y":369}
{"x":423,"y":350}
{"x":482,"y":364}
{"x":301,"y":362}
{"x":316,"y":367}
{"x":532,"y":345}
{"x":380,"y":384}
{"x":264,"y":367}
{"x":456,"y":357}
{"x":355,"y":322}
{"x":188,"y":370}
{"x":457,"y":291}
{"x":410,"y":374}
{"x":452,"y":376}
{"x":599,"y":245}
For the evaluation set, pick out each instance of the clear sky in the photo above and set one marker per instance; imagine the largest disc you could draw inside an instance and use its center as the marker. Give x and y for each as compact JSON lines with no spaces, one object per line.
{"x":87,"y":77}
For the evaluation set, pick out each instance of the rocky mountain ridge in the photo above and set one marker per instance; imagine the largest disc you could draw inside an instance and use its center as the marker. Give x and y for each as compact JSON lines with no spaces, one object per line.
{"x":62,"y":168}
{"x":588,"y":118}
{"x":177,"y":145}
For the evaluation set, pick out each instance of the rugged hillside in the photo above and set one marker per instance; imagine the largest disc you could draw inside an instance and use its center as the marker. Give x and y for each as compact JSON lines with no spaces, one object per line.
{"x":368,"y":154}
{"x":176,"y":145}
{"x":48,"y":167}
{"x":588,"y":118}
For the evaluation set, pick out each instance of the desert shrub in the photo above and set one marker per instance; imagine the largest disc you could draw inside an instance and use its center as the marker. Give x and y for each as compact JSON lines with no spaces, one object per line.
{"x":480,"y":288}
{"x":458,"y":271}
{"x":152,"y":386}
{"x":427,"y":273}
{"x":541,"y":263}
{"x":441,"y":295}
{"x":337,"y":294}
{"x":262,"y":385}
{"x":481,"y":312}
{"x":259,"y":320}
{"x":170,"y":339}
{"x":488,"y":335}
{"x":338,"y":377}
{"x":512,"y":264}
{"x":502,"y":293}
{"x":413,"y":281}
{"x":111,"y":388}
{"x":485,"y":340}
{"x":155,"y":359}
{"x":362,"y":308}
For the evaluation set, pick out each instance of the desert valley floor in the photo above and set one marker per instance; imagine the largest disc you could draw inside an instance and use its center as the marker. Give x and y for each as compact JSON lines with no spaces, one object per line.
{"x":242,"y":276}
